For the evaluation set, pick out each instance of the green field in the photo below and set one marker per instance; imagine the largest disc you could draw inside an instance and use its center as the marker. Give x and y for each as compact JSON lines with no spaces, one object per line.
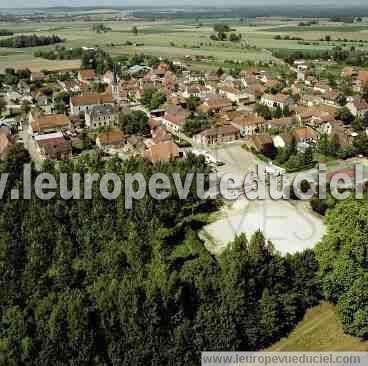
{"x":166,"y":39}
{"x":320,"y":331}
{"x":180,"y":38}
{"x":320,"y":28}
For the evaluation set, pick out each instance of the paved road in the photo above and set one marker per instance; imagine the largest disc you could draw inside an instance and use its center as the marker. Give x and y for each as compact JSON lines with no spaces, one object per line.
{"x":236,"y":159}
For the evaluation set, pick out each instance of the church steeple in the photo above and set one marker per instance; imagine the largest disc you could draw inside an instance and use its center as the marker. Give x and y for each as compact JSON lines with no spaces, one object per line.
{"x":114,"y":84}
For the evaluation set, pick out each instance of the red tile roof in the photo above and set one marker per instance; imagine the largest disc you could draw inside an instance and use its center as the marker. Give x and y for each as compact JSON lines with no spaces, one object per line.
{"x":162,"y":151}
{"x":92,"y":99}
{"x":88,"y":74}
{"x":44,"y":122}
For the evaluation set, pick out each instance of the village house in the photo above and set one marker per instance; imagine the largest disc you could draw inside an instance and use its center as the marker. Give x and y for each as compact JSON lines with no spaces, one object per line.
{"x":261,"y":144}
{"x":349,"y":72}
{"x":138,"y":71}
{"x":225,"y":118}
{"x":311,"y":100}
{"x":7,"y":141}
{"x":217,"y":135}
{"x":162,"y":152}
{"x":216,"y":105}
{"x":322,"y":122}
{"x":169,"y":82}
{"x":53,"y":146}
{"x":87,"y":76}
{"x":70,"y":86}
{"x":281,"y":123}
{"x":305,"y":137}
{"x":304,"y":115}
{"x":101,"y":116}
{"x":330,"y":98}
{"x":358,"y":107}
{"x":343,"y":133}
{"x":360,"y":81}
{"x":158,"y":133}
{"x":123,"y":93}
{"x":196,"y":90}
{"x":175,"y":117}
{"x":113,"y":139}
{"x":23,"y":88}
{"x":152,"y":78}
{"x":157,"y":75}
{"x":253,"y":92}
{"x":37,"y":76}
{"x":234,"y":94}
{"x":249,"y":125}
{"x":278,"y":100}
{"x":82,"y":103}
{"x":44,"y":124}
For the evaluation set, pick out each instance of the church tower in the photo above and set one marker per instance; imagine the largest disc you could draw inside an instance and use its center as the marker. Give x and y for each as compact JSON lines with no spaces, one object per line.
{"x":114,"y":85}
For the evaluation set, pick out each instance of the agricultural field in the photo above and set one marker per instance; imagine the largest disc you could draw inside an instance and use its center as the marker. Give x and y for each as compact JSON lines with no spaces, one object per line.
{"x":167,"y":39}
{"x":182,"y":38}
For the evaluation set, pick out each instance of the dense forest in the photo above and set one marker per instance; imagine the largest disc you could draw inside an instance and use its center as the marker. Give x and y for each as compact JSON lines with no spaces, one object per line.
{"x":25,"y":41}
{"x":87,"y":282}
{"x":343,"y":260}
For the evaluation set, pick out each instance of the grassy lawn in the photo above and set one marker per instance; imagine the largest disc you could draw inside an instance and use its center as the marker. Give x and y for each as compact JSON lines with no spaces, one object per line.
{"x":319,"y":331}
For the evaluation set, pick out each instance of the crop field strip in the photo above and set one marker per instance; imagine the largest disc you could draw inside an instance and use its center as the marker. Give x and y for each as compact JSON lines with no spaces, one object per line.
{"x":181,"y":38}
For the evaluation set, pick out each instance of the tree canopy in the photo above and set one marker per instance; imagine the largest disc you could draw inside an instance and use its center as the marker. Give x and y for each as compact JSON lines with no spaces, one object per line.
{"x":343,"y":258}
{"x":24,"y":41}
{"x":134,"y":123}
{"x":87,"y":282}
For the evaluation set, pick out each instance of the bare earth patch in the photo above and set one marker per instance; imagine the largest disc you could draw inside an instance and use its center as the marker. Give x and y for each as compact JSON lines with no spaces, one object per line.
{"x":291,"y":228}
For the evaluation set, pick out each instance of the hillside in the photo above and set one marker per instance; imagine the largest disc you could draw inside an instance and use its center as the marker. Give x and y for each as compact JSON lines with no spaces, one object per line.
{"x":319,"y":331}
